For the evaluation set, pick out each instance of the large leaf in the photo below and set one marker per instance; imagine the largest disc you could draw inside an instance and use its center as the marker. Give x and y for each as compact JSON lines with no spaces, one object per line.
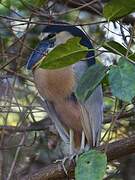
{"x":91,"y":165}
{"x":90,"y":80}
{"x":65,"y":54}
{"x":122,"y":80}
{"x":116,"y":9}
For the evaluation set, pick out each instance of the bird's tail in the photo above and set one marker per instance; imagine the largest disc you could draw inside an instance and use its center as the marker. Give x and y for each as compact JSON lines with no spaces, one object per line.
{"x":92,"y":117}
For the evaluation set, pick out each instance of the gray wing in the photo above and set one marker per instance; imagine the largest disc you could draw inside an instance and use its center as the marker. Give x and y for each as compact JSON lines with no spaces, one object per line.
{"x":48,"y":106}
{"x":92,"y":109}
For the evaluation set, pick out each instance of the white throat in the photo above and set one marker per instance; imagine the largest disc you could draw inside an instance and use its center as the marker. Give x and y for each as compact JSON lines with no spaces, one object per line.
{"x":62,"y":37}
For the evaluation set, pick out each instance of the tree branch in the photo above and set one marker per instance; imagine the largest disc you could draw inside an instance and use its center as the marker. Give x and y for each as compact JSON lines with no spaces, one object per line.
{"x":115,"y":150}
{"x":95,"y":7}
{"x":34,"y":126}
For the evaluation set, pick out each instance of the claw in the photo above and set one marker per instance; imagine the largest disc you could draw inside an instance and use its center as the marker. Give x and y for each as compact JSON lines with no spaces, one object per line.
{"x":72,"y":158}
{"x":63,"y":165}
{"x":63,"y":161}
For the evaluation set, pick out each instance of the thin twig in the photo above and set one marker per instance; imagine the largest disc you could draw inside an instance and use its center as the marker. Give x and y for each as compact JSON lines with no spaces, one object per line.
{"x":15,"y":157}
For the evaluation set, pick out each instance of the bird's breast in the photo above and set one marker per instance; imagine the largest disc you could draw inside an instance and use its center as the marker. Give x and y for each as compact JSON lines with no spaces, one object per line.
{"x":54,"y":84}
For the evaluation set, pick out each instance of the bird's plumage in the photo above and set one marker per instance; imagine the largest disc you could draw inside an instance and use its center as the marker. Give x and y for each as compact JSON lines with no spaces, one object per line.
{"x":40,"y":51}
{"x":57,"y":87}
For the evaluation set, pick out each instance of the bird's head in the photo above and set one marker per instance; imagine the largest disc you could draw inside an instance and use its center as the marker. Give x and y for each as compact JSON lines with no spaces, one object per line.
{"x":55,"y":35}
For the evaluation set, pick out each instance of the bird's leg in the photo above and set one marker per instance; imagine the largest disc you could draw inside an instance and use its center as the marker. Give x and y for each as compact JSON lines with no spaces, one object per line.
{"x":71,"y":151}
{"x":82,"y":142}
{"x":71,"y":143}
{"x":82,"y":147}
{"x":72,"y":154}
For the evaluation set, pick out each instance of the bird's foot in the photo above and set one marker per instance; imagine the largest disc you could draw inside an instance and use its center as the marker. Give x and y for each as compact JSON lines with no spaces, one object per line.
{"x":68,"y":159}
{"x":63,"y":163}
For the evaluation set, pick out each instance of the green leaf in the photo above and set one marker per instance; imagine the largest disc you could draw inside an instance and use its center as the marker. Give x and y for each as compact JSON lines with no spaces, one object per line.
{"x":116,"y":48}
{"x":39,"y":2}
{"x":65,"y":54}
{"x":5,"y":7}
{"x":122,"y":80}
{"x":90,"y":80}
{"x":131,"y":56}
{"x":115,"y":9}
{"x":91,"y":165}
{"x":36,"y":3}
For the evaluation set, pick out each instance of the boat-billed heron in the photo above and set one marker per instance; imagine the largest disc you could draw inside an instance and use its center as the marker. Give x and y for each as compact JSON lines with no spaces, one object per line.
{"x":75,"y":121}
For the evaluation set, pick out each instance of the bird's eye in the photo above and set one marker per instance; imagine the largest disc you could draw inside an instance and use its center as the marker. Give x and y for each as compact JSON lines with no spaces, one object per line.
{"x":51,"y":35}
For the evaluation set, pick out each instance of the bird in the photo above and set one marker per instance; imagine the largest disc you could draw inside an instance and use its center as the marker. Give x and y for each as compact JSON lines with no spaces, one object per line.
{"x":78,"y":123}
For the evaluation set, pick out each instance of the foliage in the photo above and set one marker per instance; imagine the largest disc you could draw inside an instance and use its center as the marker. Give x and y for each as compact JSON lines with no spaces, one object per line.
{"x":117,"y":9}
{"x":117,"y":48}
{"x":91,"y":165}
{"x":121,"y":77}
